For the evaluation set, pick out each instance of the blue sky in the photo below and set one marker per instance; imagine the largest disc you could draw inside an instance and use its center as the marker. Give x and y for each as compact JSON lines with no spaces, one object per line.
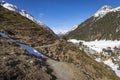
{"x":62,"y":14}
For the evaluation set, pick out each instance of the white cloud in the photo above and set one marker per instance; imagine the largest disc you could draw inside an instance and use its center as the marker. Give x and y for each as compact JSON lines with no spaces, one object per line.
{"x":41,"y":14}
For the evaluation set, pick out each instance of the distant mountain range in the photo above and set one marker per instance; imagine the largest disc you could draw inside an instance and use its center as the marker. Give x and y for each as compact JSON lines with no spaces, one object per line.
{"x":104,"y":24}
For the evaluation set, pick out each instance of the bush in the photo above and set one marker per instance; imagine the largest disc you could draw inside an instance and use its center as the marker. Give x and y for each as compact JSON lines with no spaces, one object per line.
{"x":65,"y":38}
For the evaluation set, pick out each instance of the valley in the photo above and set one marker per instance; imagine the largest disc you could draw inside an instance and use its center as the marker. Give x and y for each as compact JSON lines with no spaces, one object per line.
{"x":30,"y":50}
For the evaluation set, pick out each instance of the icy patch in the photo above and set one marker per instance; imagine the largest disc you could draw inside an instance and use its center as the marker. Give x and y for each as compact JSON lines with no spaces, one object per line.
{"x":31,"y":50}
{"x":3,"y":35}
{"x":113,"y":66}
{"x":28,"y":48}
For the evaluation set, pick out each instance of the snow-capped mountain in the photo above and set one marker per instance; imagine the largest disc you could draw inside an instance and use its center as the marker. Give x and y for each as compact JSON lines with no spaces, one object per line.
{"x":24,"y":13}
{"x":60,"y":32}
{"x":104,"y":10}
{"x":99,"y":37}
{"x":74,"y":27}
{"x":103,"y":25}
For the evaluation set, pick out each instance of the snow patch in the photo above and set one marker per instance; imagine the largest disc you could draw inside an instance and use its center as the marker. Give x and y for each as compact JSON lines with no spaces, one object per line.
{"x":113,"y":66}
{"x":3,"y":35}
{"x":98,"y":45}
{"x":29,"y":49}
{"x":24,"y":13}
{"x":98,"y":60}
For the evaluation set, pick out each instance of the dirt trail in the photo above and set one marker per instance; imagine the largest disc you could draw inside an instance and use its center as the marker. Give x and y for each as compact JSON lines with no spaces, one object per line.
{"x":62,"y":70}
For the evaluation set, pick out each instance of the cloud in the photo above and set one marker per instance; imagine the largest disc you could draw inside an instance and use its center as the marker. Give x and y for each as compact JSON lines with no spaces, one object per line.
{"x":41,"y":14}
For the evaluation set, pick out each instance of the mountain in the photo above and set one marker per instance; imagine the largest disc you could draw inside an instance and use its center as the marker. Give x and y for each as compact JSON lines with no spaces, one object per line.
{"x":104,"y":24}
{"x":24,"y":13}
{"x":60,"y":33}
{"x":22,"y":39}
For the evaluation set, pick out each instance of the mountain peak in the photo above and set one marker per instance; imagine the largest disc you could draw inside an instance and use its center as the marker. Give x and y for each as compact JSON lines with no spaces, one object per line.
{"x":102,"y":11}
{"x":105,"y":7}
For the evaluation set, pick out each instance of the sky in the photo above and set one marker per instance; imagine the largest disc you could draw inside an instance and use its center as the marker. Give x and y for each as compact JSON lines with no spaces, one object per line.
{"x":62,"y":15}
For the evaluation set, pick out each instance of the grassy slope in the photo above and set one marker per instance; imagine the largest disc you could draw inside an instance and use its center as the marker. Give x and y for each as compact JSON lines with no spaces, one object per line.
{"x":23,"y":29}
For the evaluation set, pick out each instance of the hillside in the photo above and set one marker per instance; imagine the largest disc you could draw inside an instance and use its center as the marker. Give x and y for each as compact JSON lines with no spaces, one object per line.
{"x":16,"y":64}
{"x":77,"y":64}
{"x":22,"y":29}
{"x":104,"y":24}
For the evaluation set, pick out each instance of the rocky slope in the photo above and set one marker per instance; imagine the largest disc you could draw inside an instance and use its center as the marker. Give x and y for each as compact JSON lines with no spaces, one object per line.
{"x":76,"y":66}
{"x":67,"y":55}
{"x":16,"y":64}
{"x":104,"y":24}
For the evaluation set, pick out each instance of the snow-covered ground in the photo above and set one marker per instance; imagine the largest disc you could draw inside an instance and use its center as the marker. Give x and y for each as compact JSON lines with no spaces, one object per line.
{"x":97,"y":46}
{"x":113,"y":66}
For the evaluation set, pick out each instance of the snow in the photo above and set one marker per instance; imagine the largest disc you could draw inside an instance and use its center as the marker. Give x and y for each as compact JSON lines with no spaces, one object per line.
{"x":14,"y":8}
{"x":31,"y":50}
{"x":75,"y":41}
{"x":98,"y":45}
{"x":28,"y":48}
{"x":74,"y":27}
{"x":112,"y":66}
{"x":60,"y":31}
{"x":10,"y":7}
{"x":98,"y":59}
{"x":3,"y":35}
{"x":101,"y":12}
{"x":104,"y":10}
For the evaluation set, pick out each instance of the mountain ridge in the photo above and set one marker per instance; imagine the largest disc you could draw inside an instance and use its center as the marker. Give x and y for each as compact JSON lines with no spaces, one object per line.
{"x":24,"y":13}
{"x":103,"y":26}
